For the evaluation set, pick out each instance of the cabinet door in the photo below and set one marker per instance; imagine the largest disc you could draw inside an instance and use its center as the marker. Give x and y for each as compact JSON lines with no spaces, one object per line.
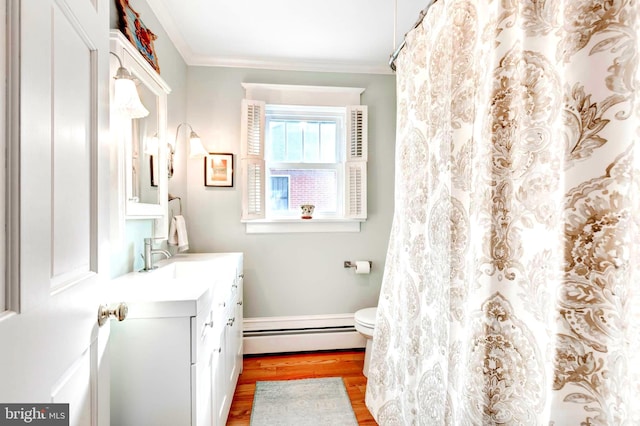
{"x":204,"y":342}
{"x":151,"y":372}
{"x":229,"y":362}
{"x":201,"y":374}
{"x":228,"y":357}
{"x":218,"y":383}
{"x":238,"y":329}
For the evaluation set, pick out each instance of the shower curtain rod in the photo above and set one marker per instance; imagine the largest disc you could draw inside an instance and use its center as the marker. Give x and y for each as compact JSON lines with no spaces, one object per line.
{"x":394,"y":55}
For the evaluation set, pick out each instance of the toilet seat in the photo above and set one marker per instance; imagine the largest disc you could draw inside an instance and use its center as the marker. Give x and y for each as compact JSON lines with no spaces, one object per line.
{"x":365,"y":321}
{"x":366,"y":317}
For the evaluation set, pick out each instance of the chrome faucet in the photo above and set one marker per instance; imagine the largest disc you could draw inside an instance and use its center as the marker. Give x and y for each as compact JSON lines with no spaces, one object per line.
{"x":149,"y":251}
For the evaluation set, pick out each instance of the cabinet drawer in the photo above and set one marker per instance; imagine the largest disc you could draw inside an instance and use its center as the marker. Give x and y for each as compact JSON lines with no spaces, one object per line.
{"x":206,"y":329}
{"x":201,"y":335}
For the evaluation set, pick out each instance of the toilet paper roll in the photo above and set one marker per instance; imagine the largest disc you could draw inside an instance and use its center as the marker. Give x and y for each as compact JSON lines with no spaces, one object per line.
{"x":362,"y":267}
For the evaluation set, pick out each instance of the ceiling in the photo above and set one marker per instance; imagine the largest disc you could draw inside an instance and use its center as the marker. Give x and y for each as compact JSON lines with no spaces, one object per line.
{"x":305,"y":35}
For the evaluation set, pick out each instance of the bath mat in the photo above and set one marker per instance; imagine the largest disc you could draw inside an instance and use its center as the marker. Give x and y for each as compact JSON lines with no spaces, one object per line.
{"x":312,"y":402}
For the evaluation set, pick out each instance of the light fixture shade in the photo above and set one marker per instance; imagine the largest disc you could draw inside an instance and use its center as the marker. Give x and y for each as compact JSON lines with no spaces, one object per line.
{"x":126,"y":98}
{"x":151,"y":145}
{"x":195,"y":146}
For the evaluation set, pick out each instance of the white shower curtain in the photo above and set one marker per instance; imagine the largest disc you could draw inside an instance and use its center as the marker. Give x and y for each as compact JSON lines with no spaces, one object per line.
{"x":511,"y":293}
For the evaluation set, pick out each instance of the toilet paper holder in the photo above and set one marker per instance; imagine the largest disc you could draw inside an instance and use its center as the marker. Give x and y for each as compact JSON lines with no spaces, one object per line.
{"x":350,"y":264}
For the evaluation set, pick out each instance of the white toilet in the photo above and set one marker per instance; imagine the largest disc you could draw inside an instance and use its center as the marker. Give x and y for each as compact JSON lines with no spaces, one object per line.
{"x":365,"y":320}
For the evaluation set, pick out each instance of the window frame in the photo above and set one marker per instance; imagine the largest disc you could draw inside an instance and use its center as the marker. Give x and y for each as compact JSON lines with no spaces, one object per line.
{"x":253,"y":165}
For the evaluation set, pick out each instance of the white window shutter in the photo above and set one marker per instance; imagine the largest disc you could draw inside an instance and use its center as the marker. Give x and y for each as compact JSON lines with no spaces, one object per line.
{"x":356,"y":190}
{"x":253,"y":165}
{"x":356,"y":163}
{"x":252,"y":132}
{"x":357,"y":132}
{"x":253,"y":194}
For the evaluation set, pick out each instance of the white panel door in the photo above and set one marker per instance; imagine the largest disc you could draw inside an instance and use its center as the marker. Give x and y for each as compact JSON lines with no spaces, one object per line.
{"x":52,"y":349}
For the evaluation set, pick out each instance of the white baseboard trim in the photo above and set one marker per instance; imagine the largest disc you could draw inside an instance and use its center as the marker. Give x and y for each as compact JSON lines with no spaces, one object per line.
{"x":298,"y":322}
{"x":302,"y":343}
{"x":301,"y":333}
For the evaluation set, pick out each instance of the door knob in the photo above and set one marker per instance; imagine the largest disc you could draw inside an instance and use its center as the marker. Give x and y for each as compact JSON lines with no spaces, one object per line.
{"x":119,"y":311}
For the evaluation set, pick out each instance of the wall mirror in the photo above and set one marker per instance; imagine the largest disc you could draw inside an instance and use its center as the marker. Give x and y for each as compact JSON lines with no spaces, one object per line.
{"x":144,"y":152}
{"x":140,"y":144}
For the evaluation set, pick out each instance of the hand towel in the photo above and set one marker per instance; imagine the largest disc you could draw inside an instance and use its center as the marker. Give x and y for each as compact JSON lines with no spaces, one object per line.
{"x":178,"y":233}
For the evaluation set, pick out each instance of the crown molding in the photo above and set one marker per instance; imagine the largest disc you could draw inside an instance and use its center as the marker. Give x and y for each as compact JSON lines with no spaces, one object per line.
{"x":191,"y":59}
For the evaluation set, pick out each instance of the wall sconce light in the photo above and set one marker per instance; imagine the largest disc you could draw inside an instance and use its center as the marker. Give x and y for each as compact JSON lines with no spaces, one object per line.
{"x":151,"y":145}
{"x":126,"y":97}
{"x":195,"y":147}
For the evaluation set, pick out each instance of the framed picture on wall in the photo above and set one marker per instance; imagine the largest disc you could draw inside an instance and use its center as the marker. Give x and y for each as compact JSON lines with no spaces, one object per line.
{"x":218,"y":169}
{"x":138,"y":34}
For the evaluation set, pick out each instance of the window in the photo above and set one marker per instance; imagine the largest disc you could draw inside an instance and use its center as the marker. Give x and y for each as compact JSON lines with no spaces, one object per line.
{"x":304,"y":145}
{"x":294,"y":154}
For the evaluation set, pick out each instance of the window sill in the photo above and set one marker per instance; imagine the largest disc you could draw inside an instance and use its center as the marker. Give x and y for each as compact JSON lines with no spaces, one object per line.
{"x":284,"y":226}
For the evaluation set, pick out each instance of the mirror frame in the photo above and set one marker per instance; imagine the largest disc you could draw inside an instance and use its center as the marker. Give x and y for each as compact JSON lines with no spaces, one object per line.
{"x":122,"y":131}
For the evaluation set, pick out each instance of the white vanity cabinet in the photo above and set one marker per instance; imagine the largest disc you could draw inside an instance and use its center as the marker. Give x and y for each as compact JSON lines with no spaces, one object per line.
{"x":176,"y":359}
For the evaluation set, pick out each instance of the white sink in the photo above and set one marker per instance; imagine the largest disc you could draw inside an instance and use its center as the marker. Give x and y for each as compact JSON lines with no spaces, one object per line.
{"x":181,"y":269}
{"x":210,"y":267}
{"x":179,"y":286}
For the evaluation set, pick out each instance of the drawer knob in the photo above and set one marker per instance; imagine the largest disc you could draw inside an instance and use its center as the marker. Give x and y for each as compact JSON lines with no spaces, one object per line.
{"x":231,"y":321}
{"x":240,"y":303}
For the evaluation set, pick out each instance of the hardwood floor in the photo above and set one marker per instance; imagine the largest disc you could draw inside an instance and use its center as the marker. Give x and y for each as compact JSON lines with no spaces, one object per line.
{"x":345,"y":364}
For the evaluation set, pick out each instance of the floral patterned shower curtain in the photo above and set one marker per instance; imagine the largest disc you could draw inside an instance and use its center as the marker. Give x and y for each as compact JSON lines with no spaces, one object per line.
{"x":511,"y":293}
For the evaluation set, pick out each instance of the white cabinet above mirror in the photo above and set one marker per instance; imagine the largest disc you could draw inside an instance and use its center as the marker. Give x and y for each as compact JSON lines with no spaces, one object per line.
{"x":139,"y":145}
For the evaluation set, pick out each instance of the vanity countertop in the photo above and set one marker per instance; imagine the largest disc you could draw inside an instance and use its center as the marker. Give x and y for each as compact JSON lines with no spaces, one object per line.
{"x":150,"y":298}
{"x":181,"y":286}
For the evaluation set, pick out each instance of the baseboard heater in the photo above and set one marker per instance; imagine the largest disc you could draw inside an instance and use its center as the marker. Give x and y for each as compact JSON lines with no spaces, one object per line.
{"x":300,"y":333}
